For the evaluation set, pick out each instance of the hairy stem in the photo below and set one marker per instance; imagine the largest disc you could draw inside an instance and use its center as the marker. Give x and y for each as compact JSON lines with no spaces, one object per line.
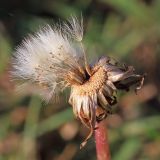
{"x":102,"y":145}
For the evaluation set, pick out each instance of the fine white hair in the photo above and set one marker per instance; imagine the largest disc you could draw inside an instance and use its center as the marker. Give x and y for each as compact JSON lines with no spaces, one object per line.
{"x":43,"y":59}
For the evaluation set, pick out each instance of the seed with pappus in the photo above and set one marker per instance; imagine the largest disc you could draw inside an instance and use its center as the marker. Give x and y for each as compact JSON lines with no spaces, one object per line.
{"x":54,"y":59}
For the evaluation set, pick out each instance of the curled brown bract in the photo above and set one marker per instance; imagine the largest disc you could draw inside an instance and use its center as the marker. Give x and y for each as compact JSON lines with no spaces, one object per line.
{"x":93,"y":97}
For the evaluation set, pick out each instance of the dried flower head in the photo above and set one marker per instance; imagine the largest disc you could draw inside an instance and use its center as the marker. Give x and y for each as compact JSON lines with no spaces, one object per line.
{"x":54,"y":58}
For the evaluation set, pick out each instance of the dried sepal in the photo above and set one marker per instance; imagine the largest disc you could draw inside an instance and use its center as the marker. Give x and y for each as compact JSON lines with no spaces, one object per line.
{"x":98,"y":92}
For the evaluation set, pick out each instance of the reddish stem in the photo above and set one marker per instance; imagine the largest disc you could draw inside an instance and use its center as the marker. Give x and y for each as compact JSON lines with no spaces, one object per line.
{"x":102,"y":145}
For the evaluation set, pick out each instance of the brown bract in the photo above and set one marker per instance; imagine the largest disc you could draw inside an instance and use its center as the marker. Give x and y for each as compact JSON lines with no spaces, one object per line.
{"x":93,"y":94}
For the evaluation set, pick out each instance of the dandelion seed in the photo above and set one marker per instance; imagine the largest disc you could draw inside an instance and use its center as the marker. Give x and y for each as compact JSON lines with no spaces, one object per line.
{"x":54,"y":58}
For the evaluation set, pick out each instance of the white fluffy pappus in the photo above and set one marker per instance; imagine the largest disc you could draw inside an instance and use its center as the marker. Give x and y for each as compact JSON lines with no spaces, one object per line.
{"x":44,"y":59}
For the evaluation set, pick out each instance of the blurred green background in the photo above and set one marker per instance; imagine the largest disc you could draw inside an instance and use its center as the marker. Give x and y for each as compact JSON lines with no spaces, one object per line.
{"x":129,"y":31}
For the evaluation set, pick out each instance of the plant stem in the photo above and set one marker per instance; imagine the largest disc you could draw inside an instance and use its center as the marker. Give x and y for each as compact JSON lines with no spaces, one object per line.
{"x":102,"y":145}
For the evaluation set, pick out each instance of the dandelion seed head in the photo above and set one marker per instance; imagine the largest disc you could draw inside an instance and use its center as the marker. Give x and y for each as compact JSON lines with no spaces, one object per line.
{"x":54,"y":58}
